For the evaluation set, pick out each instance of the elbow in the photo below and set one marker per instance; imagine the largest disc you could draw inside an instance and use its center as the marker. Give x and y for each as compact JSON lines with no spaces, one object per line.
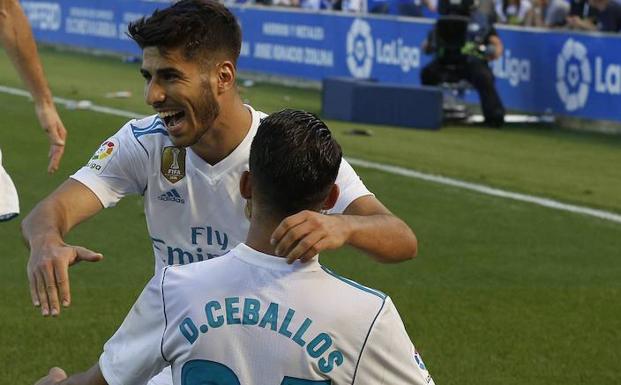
{"x":411,"y":247}
{"x":405,"y":247}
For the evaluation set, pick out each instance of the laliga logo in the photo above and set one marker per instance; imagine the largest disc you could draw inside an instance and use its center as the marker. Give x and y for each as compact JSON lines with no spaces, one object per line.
{"x":360,"y":49}
{"x":573,"y":75}
{"x":104,"y":151}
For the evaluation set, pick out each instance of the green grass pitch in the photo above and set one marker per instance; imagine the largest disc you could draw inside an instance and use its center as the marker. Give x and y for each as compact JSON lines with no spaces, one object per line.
{"x":502,"y":292}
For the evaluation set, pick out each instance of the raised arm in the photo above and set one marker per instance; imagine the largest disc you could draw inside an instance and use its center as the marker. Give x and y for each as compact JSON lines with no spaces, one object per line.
{"x":16,"y":38}
{"x":366,"y":225}
{"x":44,"y":230}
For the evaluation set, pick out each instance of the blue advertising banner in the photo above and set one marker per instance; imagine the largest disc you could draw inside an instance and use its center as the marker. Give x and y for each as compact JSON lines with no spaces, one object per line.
{"x":559,"y":72}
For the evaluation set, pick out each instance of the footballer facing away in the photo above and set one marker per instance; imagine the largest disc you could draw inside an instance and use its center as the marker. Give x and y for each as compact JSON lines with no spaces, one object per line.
{"x":248,"y":317}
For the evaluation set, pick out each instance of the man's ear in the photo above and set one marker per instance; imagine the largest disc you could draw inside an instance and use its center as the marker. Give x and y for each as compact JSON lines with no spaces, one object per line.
{"x":333,"y":195}
{"x":245,"y":186}
{"x":226,"y":76}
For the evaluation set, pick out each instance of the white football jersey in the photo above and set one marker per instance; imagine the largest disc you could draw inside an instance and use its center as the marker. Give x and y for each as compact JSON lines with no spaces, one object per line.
{"x":9,"y":200}
{"x":250,"y":318}
{"x":194,"y":210}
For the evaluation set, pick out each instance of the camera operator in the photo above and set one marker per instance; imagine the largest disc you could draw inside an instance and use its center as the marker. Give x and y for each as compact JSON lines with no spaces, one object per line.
{"x":464,"y":41}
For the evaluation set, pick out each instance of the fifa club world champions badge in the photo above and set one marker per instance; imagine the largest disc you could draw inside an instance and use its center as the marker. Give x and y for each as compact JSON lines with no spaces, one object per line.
{"x":173,"y":163}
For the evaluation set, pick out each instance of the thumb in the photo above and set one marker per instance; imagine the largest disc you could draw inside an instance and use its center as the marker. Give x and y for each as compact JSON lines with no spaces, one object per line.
{"x":84,"y":254}
{"x":55,"y":137}
{"x":57,"y":374}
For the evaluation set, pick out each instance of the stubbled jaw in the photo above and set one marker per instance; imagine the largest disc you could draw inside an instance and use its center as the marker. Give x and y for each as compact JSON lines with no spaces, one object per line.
{"x":173,"y":120}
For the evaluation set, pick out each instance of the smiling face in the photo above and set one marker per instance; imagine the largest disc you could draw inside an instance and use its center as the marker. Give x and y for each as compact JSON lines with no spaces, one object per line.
{"x":181,"y":92}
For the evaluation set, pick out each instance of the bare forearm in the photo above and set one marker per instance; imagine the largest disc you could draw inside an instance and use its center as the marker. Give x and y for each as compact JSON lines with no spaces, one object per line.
{"x":385,"y":237}
{"x":66,"y":207}
{"x":17,"y":39}
{"x":46,"y":222}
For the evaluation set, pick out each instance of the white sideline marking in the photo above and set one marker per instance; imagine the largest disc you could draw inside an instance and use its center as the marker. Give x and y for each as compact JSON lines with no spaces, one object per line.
{"x":487,"y":190}
{"x":73,"y":104}
{"x":545,"y":202}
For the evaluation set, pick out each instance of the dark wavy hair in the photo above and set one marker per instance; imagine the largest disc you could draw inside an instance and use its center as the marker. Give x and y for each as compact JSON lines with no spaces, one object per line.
{"x":193,"y":25}
{"x":294,"y":160}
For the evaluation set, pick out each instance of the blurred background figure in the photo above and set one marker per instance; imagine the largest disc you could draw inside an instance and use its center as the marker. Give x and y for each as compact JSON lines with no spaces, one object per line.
{"x":548,"y":13}
{"x":463,"y":42}
{"x":596,"y":15}
{"x":16,"y":38}
{"x":414,"y":8}
{"x":512,"y":11}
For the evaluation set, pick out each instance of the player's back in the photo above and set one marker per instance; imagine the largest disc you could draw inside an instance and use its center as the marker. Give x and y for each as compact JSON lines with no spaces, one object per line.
{"x":249,"y":318}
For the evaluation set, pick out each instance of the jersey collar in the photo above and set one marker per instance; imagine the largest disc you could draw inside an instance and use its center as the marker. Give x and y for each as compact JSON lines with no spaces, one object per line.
{"x":251,"y":256}
{"x":235,"y":158}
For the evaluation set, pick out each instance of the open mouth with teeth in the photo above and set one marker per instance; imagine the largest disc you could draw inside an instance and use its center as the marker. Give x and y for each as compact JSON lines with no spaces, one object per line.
{"x":172,"y":119}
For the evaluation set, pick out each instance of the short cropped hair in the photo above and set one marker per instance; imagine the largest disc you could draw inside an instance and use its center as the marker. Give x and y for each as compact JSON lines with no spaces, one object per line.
{"x":294,"y":161}
{"x":193,"y":25}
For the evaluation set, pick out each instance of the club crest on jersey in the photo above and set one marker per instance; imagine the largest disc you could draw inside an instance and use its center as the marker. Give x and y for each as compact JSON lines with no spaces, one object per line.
{"x":102,"y":156}
{"x":173,"y":163}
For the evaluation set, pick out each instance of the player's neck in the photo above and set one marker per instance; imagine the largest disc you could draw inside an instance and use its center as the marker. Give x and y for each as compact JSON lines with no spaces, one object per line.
{"x":260,"y":234}
{"x":228,"y":132}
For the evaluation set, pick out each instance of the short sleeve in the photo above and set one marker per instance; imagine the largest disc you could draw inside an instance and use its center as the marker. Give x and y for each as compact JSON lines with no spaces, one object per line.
{"x":389,"y":357}
{"x":117,"y":169}
{"x":134,"y":353}
{"x":350,"y":187}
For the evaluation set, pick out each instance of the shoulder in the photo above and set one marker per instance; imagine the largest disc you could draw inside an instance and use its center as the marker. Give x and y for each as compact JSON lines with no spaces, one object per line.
{"x":262,"y":115}
{"x":372,"y":296}
{"x":150,"y":125}
{"x":145,"y":134}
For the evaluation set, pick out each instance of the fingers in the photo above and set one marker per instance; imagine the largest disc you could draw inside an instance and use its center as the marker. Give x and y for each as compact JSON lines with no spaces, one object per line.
{"x":299,"y":236}
{"x":49,"y":277}
{"x":294,"y":233}
{"x":56,"y":135}
{"x":51,"y":290}
{"x":305,"y":248}
{"x":54,"y":376}
{"x":55,"y":155}
{"x":32,"y":282}
{"x":84,"y":254}
{"x":303,"y":235}
{"x":57,"y":374}
{"x":42,"y":294}
{"x":61,"y":275}
{"x":286,"y":225}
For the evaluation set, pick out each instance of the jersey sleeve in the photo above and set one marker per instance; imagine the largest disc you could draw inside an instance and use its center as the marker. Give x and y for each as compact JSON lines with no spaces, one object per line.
{"x":134,"y":353}
{"x":350,"y":187}
{"x":389,"y":357}
{"x":118,"y":168}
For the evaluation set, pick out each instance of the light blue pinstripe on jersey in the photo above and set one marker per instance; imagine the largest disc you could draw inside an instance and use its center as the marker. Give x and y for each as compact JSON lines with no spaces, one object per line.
{"x":155,"y":127}
{"x":355,"y":284}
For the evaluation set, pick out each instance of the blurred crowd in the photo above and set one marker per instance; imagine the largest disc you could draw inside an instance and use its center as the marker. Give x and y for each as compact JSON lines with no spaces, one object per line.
{"x":585,"y":15}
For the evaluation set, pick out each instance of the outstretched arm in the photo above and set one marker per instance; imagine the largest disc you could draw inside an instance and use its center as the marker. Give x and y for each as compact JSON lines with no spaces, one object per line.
{"x":50,"y":257}
{"x":366,"y":225}
{"x":16,"y":38}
